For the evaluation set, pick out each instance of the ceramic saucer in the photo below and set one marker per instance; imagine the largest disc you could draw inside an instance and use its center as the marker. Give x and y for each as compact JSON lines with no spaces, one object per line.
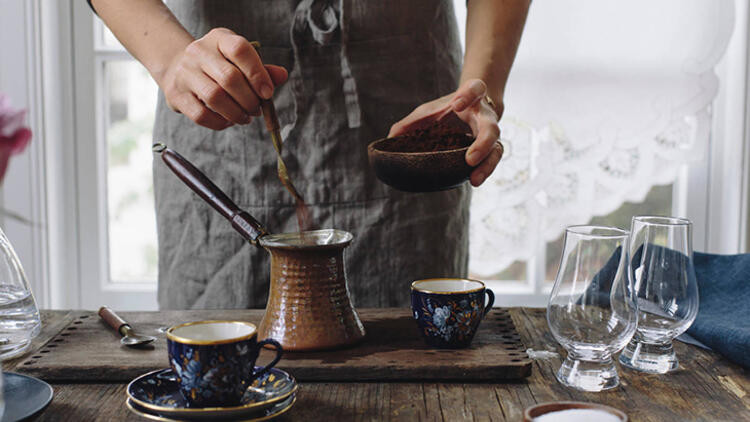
{"x":158,"y":392}
{"x":255,"y":416}
{"x":24,"y":396}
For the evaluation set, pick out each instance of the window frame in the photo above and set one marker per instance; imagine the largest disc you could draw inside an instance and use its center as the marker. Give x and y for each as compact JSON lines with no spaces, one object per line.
{"x":90,"y":56}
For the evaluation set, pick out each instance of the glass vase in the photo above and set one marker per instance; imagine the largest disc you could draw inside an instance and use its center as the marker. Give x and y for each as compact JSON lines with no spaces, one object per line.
{"x":19,"y":315}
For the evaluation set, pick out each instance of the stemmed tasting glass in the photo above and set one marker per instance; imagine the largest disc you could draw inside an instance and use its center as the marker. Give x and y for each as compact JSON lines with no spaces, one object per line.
{"x":592,"y":310}
{"x":667,"y":292}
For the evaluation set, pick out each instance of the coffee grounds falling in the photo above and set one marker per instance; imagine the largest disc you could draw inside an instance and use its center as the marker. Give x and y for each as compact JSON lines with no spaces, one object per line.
{"x":304,"y":218}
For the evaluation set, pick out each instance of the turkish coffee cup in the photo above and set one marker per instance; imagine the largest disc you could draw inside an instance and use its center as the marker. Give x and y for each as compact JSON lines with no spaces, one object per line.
{"x":214,"y":361}
{"x":448,"y":310}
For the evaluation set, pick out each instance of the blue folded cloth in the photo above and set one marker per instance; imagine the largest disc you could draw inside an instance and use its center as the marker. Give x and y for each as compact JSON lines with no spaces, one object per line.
{"x":723,"y":321}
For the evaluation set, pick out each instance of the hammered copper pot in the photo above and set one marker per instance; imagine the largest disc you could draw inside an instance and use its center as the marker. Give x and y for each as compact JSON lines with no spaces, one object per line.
{"x":308,"y":304}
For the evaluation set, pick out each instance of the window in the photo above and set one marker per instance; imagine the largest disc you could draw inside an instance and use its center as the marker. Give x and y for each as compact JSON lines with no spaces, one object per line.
{"x":532,"y":280}
{"x":129,"y":97}
{"x":658,"y":202}
{"x":115,"y":102}
{"x":591,"y":133}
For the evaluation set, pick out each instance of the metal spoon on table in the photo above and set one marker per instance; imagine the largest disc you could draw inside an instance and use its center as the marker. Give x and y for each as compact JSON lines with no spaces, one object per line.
{"x":130,"y":338}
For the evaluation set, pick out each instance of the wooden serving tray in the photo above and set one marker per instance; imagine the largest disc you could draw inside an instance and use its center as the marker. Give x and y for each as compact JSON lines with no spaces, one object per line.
{"x":86,"y":349}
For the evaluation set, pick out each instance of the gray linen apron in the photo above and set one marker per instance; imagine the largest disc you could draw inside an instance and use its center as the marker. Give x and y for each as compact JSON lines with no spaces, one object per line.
{"x":356,"y":67}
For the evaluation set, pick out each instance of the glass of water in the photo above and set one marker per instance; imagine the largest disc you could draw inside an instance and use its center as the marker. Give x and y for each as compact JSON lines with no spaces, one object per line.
{"x":592,"y":309}
{"x":19,"y":316}
{"x":667,"y":292}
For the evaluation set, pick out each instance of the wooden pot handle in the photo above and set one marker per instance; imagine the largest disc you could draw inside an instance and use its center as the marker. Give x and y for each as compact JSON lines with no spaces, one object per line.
{"x":243,"y":222}
{"x":110,"y":317}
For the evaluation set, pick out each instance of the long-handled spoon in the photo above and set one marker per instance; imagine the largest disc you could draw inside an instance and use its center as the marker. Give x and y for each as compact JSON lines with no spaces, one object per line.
{"x":130,"y":338}
{"x":304,"y":220}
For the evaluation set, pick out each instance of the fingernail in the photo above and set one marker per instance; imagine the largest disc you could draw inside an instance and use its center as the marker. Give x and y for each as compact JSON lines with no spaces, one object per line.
{"x":472,"y":157}
{"x":477,"y":87}
{"x":266,"y":91}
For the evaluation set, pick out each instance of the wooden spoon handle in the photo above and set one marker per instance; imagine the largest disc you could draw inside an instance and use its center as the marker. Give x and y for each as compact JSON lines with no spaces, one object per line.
{"x":274,"y":128}
{"x":111,"y":318}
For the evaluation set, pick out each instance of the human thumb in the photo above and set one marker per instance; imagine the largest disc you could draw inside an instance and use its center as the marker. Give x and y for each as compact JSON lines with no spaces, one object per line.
{"x":468,"y":94}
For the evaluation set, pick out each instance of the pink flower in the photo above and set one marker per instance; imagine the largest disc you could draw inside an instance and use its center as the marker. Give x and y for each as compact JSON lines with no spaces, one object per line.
{"x":14,"y":136}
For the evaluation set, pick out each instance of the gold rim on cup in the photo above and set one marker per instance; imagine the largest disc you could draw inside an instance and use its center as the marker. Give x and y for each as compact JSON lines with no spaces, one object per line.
{"x":478,"y":289}
{"x":184,"y":340}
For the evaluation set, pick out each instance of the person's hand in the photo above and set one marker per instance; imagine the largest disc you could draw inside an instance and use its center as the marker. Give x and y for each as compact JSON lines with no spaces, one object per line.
{"x":218,"y":80}
{"x":473,"y":111}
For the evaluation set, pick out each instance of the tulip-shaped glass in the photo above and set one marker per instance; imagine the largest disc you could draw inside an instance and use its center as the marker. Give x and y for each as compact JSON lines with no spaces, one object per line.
{"x":592,"y":310}
{"x":667,"y":292}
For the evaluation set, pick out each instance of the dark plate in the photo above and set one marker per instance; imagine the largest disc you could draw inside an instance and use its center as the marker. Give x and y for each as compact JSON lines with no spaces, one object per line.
{"x":159,"y":392}
{"x":25,"y":396}
{"x":255,"y":416}
{"x":419,"y":171}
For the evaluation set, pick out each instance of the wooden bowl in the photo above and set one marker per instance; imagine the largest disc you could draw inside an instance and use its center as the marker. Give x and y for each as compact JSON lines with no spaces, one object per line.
{"x":543,"y":408}
{"x":419,"y":171}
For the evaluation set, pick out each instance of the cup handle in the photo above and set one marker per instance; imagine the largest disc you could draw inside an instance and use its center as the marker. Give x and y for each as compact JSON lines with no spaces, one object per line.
{"x":491,"y":302}
{"x":279,"y":352}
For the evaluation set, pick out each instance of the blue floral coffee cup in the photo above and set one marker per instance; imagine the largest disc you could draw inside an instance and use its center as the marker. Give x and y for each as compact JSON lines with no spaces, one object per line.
{"x":449,"y":310}
{"x":214,"y":361}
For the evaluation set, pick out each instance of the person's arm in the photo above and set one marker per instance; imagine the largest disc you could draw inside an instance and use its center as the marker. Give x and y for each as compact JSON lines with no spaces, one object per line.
{"x":493,"y":32}
{"x":216,"y":81}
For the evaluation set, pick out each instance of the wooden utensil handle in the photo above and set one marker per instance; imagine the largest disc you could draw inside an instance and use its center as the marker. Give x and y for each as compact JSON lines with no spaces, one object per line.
{"x":269,"y":116}
{"x":110,"y":317}
{"x":243,"y":222}
{"x":267,"y":106}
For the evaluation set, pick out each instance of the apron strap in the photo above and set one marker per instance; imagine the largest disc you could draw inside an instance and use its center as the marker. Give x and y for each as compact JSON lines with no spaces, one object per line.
{"x":322,"y":20}
{"x":353,"y":111}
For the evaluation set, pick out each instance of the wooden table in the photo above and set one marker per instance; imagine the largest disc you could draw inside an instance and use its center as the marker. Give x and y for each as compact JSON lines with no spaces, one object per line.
{"x":706,"y":388}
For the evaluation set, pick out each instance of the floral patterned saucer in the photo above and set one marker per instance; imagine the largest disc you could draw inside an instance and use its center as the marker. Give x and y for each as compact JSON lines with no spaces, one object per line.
{"x":158,"y":392}
{"x":255,"y":416}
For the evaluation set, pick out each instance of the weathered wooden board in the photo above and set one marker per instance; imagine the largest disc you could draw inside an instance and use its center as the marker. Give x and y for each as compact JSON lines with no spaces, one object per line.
{"x":705,"y":388}
{"x":88,"y":350}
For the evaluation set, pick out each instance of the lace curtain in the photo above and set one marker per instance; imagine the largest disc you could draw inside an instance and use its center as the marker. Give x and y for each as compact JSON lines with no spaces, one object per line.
{"x":606,"y":99}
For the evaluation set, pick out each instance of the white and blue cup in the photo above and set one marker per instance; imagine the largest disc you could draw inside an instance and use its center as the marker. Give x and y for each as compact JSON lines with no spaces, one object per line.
{"x":214,"y":361}
{"x":448,"y":310}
